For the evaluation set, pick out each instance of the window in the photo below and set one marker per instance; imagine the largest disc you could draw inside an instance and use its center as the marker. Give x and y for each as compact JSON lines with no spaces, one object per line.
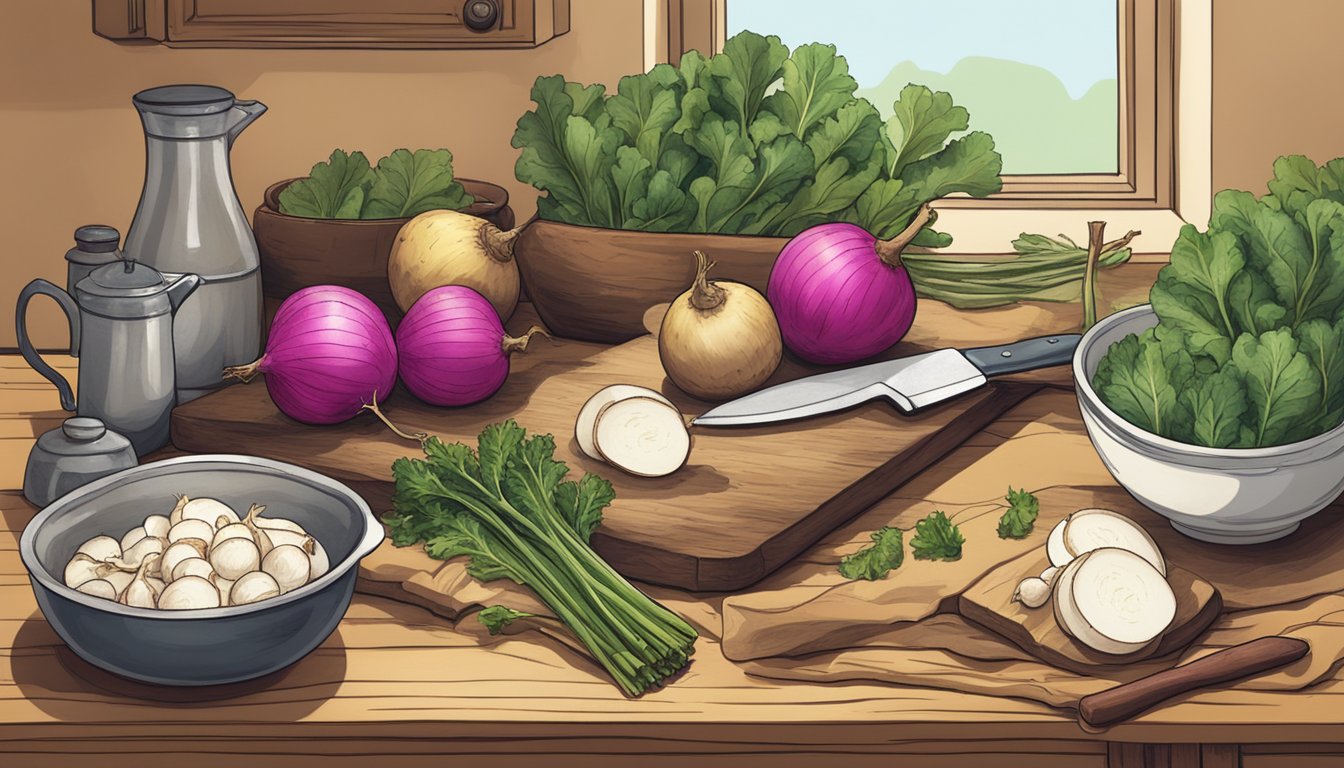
{"x":1044,"y":89}
{"x":333,"y":23}
{"x":1080,"y":95}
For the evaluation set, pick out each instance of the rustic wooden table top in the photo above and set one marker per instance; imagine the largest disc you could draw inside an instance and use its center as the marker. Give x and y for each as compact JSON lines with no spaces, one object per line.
{"x":399,"y":685}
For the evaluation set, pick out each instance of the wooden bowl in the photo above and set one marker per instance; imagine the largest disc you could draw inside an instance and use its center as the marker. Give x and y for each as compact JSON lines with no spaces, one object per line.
{"x":596,"y":284}
{"x":297,"y":252}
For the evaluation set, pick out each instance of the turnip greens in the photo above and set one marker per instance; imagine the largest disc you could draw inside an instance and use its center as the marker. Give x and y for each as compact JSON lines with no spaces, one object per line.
{"x":1249,"y":348}
{"x":754,"y":140}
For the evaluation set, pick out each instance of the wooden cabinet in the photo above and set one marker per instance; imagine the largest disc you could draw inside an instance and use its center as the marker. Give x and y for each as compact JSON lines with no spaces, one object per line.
{"x":332,"y":23}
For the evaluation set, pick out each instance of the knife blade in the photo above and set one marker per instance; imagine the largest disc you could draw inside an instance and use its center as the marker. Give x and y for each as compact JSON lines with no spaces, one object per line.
{"x":910,"y":383}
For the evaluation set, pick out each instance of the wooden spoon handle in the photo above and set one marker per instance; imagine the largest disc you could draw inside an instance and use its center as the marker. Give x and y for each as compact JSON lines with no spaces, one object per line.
{"x":1129,"y":699}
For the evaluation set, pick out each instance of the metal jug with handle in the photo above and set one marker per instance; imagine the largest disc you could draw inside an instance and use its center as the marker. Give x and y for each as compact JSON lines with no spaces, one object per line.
{"x":189,"y":220}
{"x":121,"y":324}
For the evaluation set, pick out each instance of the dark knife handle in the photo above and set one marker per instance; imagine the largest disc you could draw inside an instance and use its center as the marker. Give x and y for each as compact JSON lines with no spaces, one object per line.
{"x":1027,"y":355}
{"x":1129,"y":699}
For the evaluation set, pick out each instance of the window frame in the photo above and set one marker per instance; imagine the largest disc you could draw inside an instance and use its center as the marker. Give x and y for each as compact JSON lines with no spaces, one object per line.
{"x":1164,"y":176}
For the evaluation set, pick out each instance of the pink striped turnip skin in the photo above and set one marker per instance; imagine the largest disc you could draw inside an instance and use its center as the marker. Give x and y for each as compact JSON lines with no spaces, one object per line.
{"x":840,"y":294}
{"x":329,"y":354}
{"x":454,"y":350}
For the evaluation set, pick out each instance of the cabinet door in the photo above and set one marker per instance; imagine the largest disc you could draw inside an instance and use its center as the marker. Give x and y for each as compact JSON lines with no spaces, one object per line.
{"x":334,"y":23}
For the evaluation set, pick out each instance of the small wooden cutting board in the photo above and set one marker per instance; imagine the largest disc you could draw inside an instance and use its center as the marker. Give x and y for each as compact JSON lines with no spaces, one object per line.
{"x":989,"y":603}
{"x":749,"y":499}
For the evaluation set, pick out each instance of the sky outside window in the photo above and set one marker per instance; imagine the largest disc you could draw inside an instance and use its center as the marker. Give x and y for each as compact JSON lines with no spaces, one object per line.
{"x":1040,"y":75}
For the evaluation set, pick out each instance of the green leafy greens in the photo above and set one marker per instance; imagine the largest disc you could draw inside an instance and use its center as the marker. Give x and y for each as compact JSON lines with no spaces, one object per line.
{"x":1020,"y":519}
{"x":754,"y":140}
{"x":508,"y":507}
{"x":1249,"y":347}
{"x":878,"y":559}
{"x":404,"y":184}
{"x":496,"y":617}
{"x":936,"y":538}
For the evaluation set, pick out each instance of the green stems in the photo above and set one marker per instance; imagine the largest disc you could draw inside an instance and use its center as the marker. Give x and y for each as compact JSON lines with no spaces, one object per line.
{"x":1042,"y":269}
{"x":499,"y":506}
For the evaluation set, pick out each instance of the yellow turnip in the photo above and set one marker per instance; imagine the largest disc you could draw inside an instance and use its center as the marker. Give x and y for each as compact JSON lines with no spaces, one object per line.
{"x":440,"y":248}
{"x":719,"y":339}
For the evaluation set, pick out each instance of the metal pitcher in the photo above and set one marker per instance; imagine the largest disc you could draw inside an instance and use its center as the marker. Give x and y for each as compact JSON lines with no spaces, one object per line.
{"x":121,"y":324}
{"x":190,"y":221}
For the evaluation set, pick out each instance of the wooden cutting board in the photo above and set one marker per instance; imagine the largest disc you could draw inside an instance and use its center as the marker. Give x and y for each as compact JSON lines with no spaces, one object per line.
{"x":749,"y":499}
{"x":989,"y":603}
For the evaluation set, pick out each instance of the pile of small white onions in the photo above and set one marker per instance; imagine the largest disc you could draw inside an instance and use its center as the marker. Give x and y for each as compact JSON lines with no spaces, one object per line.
{"x":1108,"y":580}
{"x":200,"y":555}
{"x":634,"y":429}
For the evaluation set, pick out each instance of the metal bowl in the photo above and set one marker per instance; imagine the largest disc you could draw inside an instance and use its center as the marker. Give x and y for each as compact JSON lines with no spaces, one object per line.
{"x":1220,"y":495}
{"x":204,"y":647}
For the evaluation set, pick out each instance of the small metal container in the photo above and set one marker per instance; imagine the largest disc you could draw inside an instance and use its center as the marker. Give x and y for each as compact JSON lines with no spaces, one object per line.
{"x":95,"y":245}
{"x":216,"y":645}
{"x":121,"y":323}
{"x":82,"y":450}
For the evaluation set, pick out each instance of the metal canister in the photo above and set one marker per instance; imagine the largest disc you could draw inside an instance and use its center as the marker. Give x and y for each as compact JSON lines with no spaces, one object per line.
{"x":82,"y":450}
{"x":95,"y":245}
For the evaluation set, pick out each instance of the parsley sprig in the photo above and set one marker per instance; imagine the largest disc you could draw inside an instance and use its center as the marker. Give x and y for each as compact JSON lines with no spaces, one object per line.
{"x":937,"y":538}
{"x":878,"y":559}
{"x":1020,"y":519}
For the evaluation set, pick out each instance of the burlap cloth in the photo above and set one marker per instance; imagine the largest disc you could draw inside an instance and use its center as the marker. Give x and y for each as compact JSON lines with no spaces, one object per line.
{"x":807,"y":623}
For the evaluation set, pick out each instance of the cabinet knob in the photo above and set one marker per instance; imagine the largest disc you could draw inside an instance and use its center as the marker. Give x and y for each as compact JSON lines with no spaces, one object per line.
{"x":481,"y":15}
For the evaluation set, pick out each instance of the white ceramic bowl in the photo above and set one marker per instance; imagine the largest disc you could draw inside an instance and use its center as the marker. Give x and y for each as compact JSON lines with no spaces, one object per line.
{"x":1221,"y":495}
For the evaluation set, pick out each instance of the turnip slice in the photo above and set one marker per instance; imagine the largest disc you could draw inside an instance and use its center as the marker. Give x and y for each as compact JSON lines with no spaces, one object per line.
{"x":583,"y":427}
{"x":643,"y":436}
{"x":1089,"y":529}
{"x":1054,"y":546}
{"x":1113,"y":601}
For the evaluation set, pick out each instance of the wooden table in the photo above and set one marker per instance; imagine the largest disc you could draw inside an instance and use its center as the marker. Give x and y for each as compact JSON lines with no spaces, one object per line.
{"x":397,"y":686}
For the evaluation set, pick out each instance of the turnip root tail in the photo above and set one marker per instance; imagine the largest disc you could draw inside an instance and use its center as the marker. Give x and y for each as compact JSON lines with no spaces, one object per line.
{"x":244,"y":373}
{"x":705,"y":295}
{"x":497,"y":243}
{"x":373,"y":408}
{"x":890,"y":250}
{"x":519,"y":343}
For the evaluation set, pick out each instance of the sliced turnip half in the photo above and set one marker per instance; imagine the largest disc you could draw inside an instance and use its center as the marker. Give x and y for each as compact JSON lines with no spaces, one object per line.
{"x":583,"y":427}
{"x":1089,"y":529}
{"x":1054,"y":546}
{"x":643,"y":436}
{"x":1113,"y":601}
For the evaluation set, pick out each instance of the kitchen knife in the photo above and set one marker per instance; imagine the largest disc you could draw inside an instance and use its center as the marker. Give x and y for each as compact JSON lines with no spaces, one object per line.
{"x":910,"y":383}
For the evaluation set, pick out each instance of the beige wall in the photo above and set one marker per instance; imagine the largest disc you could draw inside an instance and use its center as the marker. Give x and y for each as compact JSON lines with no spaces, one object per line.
{"x":73,"y":149}
{"x":1276,"y":86}
{"x":73,"y":152}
